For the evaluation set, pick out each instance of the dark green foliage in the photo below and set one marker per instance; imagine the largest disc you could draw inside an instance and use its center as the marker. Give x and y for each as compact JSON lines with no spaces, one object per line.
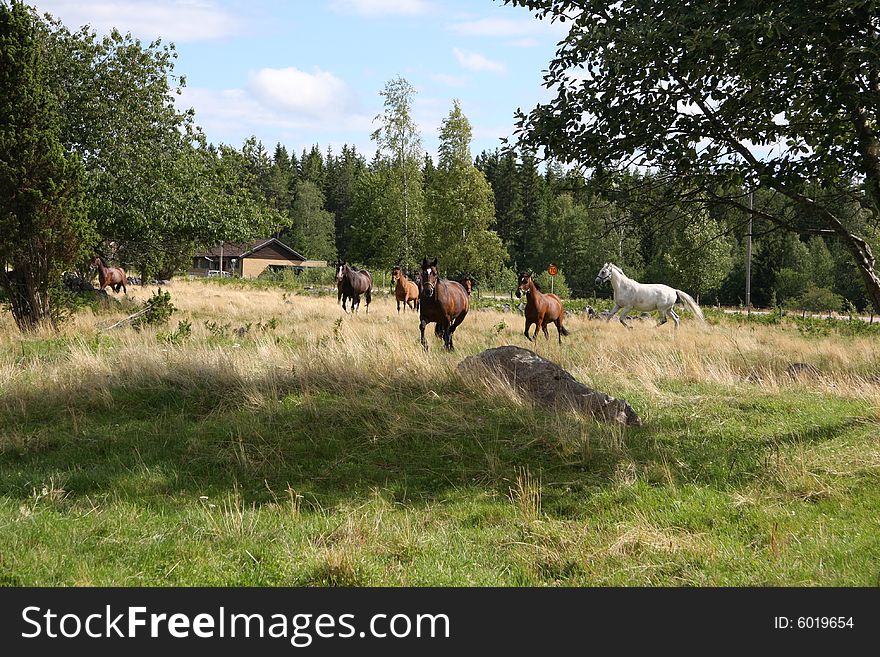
{"x":157,"y":310}
{"x":179,"y":335}
{"x":694,"y":92}
{"x":43,"y":223}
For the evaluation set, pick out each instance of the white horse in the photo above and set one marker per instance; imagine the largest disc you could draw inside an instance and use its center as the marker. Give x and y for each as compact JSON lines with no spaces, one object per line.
{"x":632,"y":295}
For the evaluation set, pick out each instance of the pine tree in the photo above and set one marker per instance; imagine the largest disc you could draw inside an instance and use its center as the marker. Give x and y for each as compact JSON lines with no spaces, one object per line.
{"x":529,"y":232}
{"x":343,"y":172}
{"x":312,"y":232}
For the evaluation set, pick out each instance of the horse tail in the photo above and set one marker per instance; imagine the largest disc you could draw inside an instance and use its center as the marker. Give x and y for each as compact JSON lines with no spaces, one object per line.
{"x":688,"y":302}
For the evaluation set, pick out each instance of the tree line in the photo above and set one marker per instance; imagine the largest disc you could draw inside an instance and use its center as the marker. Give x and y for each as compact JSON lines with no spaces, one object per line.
{"x":533,"y":214}
{"x":95,"y":156}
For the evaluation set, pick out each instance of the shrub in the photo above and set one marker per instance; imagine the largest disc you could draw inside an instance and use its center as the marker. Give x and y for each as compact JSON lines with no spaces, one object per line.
{"x":157,"y":310}
{"x":818,"y":299}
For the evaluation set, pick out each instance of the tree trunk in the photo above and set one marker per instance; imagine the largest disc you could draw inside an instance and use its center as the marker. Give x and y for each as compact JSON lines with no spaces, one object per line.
{"x":865,"y":263}
{"x":29,"y":308}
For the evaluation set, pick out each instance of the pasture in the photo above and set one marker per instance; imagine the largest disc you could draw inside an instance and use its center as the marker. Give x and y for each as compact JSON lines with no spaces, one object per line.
{"x":329,"y":449}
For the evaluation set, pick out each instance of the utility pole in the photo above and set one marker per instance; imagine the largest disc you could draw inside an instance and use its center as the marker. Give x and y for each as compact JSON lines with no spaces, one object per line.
{"x":749,"y":261}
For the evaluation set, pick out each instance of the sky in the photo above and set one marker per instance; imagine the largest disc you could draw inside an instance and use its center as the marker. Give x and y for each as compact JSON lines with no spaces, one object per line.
{"x":306,"y":72}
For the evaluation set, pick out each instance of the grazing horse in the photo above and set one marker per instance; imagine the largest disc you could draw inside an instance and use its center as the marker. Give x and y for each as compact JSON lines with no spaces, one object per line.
{"x":354,"y":283}
{"x":113,"y":276}
{"x":632,"y":295}
{"x":444,"y":302}
{"x":541,"y":309}
{"x":405,"y":290}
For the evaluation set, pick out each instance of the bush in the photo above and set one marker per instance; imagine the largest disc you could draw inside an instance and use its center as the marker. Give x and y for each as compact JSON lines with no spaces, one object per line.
{"x":179,"y":335}
{"x":817,"y":299}
{"x":559,"y":287}
{"x":289,"y":277}
{"x":157,"y":310}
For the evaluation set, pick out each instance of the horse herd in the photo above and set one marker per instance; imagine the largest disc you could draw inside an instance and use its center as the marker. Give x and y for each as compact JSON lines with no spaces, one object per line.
{"x":445,"y":303}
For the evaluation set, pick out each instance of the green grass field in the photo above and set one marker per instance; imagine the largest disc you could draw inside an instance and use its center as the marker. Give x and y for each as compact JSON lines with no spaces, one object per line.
{"x":331,"y":450}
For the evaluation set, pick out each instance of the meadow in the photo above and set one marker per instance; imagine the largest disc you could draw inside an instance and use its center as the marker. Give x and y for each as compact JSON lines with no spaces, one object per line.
{"x":285,"y":443}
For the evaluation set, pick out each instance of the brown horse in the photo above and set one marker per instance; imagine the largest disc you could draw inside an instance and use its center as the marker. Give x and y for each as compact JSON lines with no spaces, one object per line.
{"x":444,"y":302}
{"x":113,"y":276}
{"x":468,"y":282}
{"x":351,"y":283}
{"x":405,"y":290}
{"x":541,"y":309}
{"x":339,"y":284}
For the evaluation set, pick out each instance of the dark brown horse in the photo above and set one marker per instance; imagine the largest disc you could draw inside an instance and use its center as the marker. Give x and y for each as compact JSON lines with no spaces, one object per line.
{"x":468,"y":282}
{"x":113,"y":276}
{"x":444,"y":302}
{"x":351,"y":283}
{"x":405,"y":290}
{"x":339,"y":284}
{"x":541,"y":309}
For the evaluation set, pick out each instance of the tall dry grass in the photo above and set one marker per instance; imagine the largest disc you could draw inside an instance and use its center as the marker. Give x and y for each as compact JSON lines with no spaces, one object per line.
{"x":318,"y":345}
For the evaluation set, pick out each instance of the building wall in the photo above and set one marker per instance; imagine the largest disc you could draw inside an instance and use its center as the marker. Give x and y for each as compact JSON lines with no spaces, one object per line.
{"x":253,"y":267}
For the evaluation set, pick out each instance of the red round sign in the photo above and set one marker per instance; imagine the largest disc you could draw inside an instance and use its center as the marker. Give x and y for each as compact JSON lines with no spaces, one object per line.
{"x":552,"y":270}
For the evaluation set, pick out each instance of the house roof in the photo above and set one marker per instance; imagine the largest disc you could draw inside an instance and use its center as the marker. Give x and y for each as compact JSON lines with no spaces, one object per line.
{"x":244,"y":249}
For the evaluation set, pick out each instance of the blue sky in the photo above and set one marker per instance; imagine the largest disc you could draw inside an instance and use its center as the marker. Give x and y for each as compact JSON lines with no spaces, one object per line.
{"x":310,"y":71}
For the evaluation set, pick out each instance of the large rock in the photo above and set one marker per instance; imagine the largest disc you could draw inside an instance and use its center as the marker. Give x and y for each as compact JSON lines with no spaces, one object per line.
{"x":547,"y":384}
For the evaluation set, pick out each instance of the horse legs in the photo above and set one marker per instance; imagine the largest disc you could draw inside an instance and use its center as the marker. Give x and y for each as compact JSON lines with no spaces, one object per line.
{"x":422,"y":324}
{"x":613,"y":312}
{"x":558,"y":323}
{"x":526,"y":332}
{"x":674,"y":317}
{"x":662,"y":319}
{"x":369,"y":297}
{"x":398,"y":306}
{"x":622,"y":317}
{"x":454,"y":324}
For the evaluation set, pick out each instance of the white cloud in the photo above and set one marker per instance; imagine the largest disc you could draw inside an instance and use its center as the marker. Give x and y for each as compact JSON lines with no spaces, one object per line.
{"x":308,"y":95}
{"x":172,"y":20}
{"x":273,"y":110}
{"x":379,"y":7}
{"x":474,"y":61}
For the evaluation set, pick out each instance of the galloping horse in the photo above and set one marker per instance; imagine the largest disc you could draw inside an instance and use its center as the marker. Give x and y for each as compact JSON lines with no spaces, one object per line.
{"x":113,"y":276}
{"x":351,"y":284}
{"x":339,"y":284}
{"x":405,"y":290}
{"x":632,"y":295}
{"x":444,"y":302}
{"x":468,"y":282}
{"x":541,"y":309}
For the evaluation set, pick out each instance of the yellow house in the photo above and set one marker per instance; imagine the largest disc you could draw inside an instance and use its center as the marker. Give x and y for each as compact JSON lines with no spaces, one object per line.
{"x":249,"y":259}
